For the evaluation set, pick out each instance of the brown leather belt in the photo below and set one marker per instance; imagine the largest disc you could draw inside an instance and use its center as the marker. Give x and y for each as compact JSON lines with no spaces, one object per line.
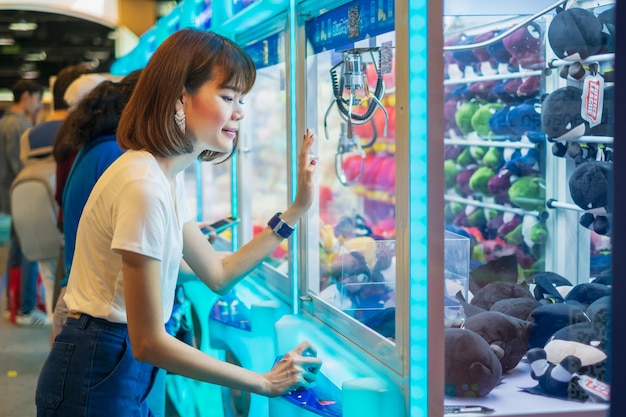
{"x":74,"y":315}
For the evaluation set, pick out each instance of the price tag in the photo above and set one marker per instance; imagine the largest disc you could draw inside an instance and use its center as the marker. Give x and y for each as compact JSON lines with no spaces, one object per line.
{"x":592,"y":99}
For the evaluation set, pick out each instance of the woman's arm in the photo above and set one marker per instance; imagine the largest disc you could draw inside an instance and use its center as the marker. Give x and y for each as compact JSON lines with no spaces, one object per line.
{"x":222,"y":276}
{"x":151,"y":343}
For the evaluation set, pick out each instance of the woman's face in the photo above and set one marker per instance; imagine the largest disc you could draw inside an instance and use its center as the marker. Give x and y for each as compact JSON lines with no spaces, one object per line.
{"x":212,"y":116}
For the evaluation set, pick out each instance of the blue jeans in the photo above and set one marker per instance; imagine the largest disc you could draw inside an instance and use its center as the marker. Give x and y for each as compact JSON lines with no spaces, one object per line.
{"x":29,"y":274}
{"x":91,"y":372}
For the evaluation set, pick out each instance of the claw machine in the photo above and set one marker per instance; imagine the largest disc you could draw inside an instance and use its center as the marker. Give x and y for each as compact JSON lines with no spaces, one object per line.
{"x":529,"y":114}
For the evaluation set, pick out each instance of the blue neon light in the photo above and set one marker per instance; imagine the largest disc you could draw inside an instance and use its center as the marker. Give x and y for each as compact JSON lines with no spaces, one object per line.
{"x":418,"y":203}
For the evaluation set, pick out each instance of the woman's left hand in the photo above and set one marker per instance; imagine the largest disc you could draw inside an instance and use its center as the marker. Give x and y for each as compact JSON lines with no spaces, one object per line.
{"x":306,"y":169}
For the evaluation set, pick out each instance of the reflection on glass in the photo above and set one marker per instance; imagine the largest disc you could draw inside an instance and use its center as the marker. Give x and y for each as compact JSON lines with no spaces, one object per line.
{"x":352,"y":231}
{"x":361,"y":283}
{"x":215,"y":193}
{"x":264,"y":161}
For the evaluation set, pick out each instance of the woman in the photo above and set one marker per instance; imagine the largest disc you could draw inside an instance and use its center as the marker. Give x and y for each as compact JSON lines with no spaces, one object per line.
{"x":89,"y":130}
{"x":136,"y":228}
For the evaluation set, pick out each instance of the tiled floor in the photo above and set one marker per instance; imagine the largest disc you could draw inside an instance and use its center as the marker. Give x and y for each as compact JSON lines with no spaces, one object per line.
{"x":22,"y":353}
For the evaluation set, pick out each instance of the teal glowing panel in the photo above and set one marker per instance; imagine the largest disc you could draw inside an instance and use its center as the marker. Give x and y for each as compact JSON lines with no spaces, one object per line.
{"x":418,"y":200}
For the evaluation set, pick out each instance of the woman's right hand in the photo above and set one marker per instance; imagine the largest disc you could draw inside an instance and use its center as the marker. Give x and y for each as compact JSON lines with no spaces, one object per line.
{"x":306,"y":170}
{"x":296,"y":370}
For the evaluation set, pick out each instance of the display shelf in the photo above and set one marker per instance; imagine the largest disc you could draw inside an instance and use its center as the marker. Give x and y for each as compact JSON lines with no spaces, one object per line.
{"x":499,"y":207}
{"x":491,"y":77}
{"x":508,"y":399}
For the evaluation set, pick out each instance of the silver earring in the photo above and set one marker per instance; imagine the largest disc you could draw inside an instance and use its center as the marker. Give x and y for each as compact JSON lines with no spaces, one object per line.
{"x":179,"y":118}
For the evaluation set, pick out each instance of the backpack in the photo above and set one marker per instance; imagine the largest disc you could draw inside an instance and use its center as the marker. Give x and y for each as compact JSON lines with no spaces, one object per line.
{"x":33,"y":207}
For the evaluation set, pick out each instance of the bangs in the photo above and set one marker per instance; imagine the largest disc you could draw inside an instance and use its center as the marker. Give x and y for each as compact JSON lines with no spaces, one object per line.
{"x":236,"y":69}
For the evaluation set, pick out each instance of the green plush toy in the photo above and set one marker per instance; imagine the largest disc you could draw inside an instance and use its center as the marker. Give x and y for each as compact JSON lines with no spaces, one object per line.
{"x":534,"y":231}
{"x":450,"y":171}
{"x":480,"y":119}
{"x":451,"y":210}
{"x":528,"y":193}
{"x":514,"y":237}
{"x":493,"y":157}
{"x":478,"y":152}
{"x":464,"y":114}
{"x":479,"y":179}
{"x":475,"y":216}
{"x":465,"y":158}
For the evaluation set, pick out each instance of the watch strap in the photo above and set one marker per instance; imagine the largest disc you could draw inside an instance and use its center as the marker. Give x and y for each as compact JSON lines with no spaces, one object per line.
{"x":279,"y":227}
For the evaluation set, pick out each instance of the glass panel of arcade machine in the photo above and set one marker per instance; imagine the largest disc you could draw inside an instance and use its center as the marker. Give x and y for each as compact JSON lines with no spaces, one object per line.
{"x":263,"y":146}
{"x":517,"y":180}
{"x":209,"y":186}
{"x":350,"y":103}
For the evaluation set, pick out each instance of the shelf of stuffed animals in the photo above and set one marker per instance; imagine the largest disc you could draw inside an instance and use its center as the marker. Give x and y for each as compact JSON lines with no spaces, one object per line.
{"x":494,"y":163}
{"x":577,"y":117}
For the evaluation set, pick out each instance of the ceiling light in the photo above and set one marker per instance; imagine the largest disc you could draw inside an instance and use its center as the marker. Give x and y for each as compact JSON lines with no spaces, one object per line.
{"x":22,"y":26}
{"x":40,"y":56}
{"x":7,"y":41}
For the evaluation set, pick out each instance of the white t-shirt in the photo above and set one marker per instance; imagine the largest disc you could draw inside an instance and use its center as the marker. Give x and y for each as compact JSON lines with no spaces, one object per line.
{"x":130,"y":208}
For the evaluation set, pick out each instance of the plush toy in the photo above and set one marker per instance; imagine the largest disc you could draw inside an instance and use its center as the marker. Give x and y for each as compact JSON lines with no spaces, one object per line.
{"x":478,"y":182}
{"x":472,"y":369}
{"x":499,"y":185}
{"x":487,"y":296}
{"x":507,"y":336}
{"x":528,"y":193}
{"x":488,"y":64}
{"x":520,"y":307}
{"x":534,"y":231}
{"x":467,"y":61}
{"x":553,"y":378}
{"x":524,"y":117}
{"x":576,"y":34}
{"x":525,"y":46}
{"x":594,"y":332}
{"x":560,"y":364}
{"x":590,"y":187}
{"x":563,"y":123}
{"x":548,"y":318}
{"x":550,"y":287}
{"x":587,"y":293}
{"x":464,"y":114}
{"x":480,"y":119}
{"x":561,"y":117}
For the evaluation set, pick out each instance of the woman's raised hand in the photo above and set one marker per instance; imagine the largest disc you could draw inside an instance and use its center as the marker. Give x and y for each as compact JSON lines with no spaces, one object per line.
{"x":306,"y":168}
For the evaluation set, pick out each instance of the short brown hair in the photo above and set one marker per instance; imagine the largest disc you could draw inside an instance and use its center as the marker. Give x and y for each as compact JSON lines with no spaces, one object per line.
{"x":187,"y":59}
{"x":64,"y":78}
{"x":25,"y":86}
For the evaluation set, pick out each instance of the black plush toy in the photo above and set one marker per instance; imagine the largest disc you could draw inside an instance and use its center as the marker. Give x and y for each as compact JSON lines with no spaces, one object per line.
{"x":590,"y":188}
{"x":575,"y":34}
{"x":562,"y":122}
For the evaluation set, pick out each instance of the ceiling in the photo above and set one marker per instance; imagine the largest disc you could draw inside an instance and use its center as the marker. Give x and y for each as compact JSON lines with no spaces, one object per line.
{"x":58,"y":40}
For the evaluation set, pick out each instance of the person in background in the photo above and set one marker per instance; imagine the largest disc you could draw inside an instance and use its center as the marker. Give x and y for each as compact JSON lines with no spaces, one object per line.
{"x":64,"y":153}
{"x":36,"y":146}
{"x":25,"y":108}
{"x":136,"y":228}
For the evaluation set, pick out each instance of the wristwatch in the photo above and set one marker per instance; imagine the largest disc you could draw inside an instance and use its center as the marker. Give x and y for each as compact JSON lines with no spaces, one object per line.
{"x":279,"y":227}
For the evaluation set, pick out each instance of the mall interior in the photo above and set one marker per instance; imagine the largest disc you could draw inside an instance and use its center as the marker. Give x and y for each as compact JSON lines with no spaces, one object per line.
{"x":458,"y":254}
